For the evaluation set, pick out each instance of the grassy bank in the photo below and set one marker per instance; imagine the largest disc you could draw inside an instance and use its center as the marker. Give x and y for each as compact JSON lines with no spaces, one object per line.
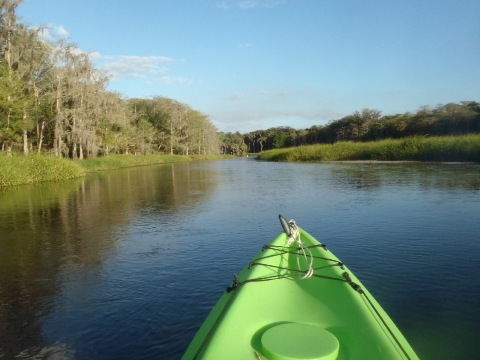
{"x":122,"y":161}
{"x":112,"y":162}
{"x":20,"y":169}
{"x":418,"y":148}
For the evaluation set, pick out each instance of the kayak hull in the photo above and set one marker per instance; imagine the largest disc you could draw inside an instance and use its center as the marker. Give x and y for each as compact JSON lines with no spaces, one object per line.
{"x":274,"y":311}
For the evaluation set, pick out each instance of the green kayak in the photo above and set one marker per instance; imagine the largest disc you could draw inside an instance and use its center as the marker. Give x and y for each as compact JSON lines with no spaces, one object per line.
{"x":296,"y":300}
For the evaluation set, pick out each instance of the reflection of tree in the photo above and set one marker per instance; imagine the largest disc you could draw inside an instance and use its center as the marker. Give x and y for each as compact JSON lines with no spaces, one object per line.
{"x":28,"y":263}
{"x":358,"y":176}
{"x":47,"y":229}
{"x":425,"y":176}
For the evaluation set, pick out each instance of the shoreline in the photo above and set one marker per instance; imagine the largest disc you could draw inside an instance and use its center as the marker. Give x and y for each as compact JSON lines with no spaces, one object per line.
{"x":448,"y":149}
{"x":20,"y":170}
{"x":400,"y":162}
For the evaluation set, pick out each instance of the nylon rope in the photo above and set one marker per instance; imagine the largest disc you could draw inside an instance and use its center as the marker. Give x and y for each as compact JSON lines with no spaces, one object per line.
{"x":294,"y":238}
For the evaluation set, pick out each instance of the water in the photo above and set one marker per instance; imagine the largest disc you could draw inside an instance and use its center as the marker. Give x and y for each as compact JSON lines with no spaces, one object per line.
{"x":126,"y":264}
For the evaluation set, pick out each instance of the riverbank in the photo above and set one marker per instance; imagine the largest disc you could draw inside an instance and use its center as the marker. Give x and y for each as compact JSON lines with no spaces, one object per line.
{"x":419,"y":148}
{"x":21,"y":170}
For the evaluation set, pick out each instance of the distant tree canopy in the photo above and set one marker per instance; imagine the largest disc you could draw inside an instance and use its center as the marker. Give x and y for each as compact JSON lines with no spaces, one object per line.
{"x":233,"y":144}
{"x":53,"y":100}
{"x":368,"y":125}
{"x":166,"y":125}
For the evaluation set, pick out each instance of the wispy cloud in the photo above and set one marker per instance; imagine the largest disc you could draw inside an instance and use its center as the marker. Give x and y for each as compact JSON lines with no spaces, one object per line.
{"x":149,"y":69}
{"x":270,"y":95}
{"x":53,"y":32}
{"x":250,"y":118}
{"x":245,"y":45}
{"x":275,"y":93}
{"x":238,"y":95}
{"x":134,"y":66}
{"x":175,"y":80}
{"x":248,"y":4}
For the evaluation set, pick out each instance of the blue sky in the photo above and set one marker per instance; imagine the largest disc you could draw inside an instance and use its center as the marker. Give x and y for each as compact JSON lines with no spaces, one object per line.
{"x":256,"y":64}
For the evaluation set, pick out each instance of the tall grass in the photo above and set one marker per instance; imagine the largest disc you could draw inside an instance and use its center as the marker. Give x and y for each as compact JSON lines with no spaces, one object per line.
{"x":121,"y":161}
{"x":112,"y":162}
{"x":417,"y":148}
{"x":19,"y":169}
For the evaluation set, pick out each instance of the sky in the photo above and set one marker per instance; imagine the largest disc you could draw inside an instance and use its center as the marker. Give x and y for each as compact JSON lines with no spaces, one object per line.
{"x":257,"y":64}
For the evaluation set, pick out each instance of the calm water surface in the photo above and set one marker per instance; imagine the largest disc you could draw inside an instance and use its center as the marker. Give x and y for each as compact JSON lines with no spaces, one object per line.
{"x":126,"y":264}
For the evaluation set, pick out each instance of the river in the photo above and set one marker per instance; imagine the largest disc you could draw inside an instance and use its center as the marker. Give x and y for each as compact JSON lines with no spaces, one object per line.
{"x":126,"y":264}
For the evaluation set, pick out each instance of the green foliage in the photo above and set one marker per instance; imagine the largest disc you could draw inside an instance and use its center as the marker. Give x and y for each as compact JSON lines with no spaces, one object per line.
{"x":53,"y":100}
{"x":417,"y":148}
{"x":174,"y":128}
{"x":368,"y":125}
{"x":233,"y":144}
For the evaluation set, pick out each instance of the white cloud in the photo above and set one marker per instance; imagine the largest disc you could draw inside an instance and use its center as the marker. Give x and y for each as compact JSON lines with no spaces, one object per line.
{"x":252,"y":118}
{"x":175,"y":80}
{"x":94,"y":55}
{"x":238,"y":95}
{"x":149,"y":70}
{"x":61,"y":31}
{"x":53,"y":32}
{"x":275,"y":93}
{"x":134,"y":66}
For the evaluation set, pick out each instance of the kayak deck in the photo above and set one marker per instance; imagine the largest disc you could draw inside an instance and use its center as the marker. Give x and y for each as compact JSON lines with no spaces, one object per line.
{"x":275,"y":311}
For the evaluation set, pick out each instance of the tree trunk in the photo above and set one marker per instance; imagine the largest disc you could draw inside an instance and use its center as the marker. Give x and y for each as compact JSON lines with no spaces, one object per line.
{"x":58,"y":145}
{"x":58,"y":119}
{"x":74,"y":150}
{"x":40,"y":137}
{"x":171,"y":137}
{"x":25,"y":142}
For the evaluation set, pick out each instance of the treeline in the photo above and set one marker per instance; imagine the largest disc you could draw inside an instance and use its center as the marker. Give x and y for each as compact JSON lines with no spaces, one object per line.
{"x":369,"y":125}
{"x":53,"y":100}
{"x":233,"y":144}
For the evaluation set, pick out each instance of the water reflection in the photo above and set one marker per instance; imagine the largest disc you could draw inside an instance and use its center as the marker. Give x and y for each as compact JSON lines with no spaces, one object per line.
{"x":51,"y":231}
{"x":125,"y":264}
{"x":425,"y":176}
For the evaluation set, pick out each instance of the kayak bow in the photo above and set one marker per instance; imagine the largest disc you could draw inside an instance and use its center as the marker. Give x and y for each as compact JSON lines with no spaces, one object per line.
{"x":297,"y":300}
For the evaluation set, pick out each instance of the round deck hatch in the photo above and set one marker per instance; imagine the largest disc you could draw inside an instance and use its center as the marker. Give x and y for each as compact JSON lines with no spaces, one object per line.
{"x":293,"y":341}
